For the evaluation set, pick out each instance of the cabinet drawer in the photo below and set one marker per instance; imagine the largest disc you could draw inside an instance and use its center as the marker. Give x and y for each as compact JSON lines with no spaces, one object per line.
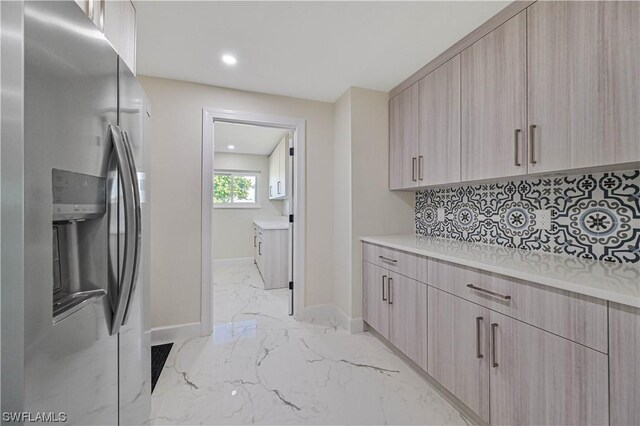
{"x":407,"y":264}
{"x":582,"y":319}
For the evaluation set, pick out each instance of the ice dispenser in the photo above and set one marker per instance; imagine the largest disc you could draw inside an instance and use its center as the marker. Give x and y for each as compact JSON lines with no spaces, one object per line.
{"x":79,"y":241}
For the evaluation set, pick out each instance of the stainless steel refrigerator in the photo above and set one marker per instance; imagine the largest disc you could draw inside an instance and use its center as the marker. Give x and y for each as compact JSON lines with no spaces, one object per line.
{"x":86,"y":223}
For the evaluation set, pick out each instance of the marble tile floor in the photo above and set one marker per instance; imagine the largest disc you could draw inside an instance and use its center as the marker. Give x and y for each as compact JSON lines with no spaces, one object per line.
{"x":261,"y":366}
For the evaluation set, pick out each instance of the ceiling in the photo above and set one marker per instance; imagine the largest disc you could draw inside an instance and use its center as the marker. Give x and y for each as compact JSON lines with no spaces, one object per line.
{"x":246,"y":139}
{"x":305,"y":49}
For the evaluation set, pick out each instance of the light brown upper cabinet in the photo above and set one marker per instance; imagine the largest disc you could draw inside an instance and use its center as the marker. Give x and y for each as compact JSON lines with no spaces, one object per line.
{"x":120,"y":29}
{"x":403,"y":139}
{"x":439,"y":125}
{"x":117,"y":20}
{"x":584,"y":91}
{"x":494,"y":106}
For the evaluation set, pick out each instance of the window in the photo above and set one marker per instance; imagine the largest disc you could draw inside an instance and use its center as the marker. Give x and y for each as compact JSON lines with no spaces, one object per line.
{"x":235,"y":189}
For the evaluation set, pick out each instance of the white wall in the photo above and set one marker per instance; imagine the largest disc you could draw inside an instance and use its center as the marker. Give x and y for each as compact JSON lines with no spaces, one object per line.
{"x":233,"y":228}
{"x":363,"y":203}
{"x":375,"y":209}
{"x":176,"y":158}
{"x":342,"y":203}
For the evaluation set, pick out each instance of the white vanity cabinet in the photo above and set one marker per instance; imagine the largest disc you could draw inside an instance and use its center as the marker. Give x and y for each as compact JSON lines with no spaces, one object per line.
{"x":271,"y":250}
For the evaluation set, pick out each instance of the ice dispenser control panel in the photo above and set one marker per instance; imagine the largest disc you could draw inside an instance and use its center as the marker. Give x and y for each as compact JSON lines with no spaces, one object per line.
{"x":77,"y":196}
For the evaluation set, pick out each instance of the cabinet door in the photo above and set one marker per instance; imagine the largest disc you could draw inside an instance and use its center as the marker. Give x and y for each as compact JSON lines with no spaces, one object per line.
{"x":255,"y":245}
{"x":494,"y":120}
{"x":281,"y":184}
{"x":539,"y":378}
{"x":408,"y":317}
{"x":375,"y":309}
{"x":403,"y":139}
{"x":274,"y":170}
{"x":459,"y":348}
{"x":120,"y":29}
{"x":439,"y":125}
{"x":584,"y":91}
{"x":624,"y":362}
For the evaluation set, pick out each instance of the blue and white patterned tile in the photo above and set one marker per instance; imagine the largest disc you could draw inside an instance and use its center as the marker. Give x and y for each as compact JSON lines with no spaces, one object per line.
{"x":594,"y":216}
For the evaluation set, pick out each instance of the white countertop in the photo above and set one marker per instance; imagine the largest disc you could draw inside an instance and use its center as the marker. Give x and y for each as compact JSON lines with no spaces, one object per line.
{"x":270,"y":223}
{"x":616,"y":282}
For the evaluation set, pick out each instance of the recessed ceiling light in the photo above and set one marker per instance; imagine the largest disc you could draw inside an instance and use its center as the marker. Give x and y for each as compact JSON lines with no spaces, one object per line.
{"x":229,"y":59}
{"x":232,"y":147}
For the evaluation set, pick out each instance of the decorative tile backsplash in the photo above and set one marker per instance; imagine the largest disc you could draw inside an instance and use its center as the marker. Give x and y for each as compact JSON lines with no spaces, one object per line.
{"x":594,"y":216}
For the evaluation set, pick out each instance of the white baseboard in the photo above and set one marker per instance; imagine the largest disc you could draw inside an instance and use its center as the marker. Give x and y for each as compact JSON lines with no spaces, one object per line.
{"x":330,"y":314}
{"x":173,"y":333}
{"x":230,"y":263}
{"x":357,"y":325}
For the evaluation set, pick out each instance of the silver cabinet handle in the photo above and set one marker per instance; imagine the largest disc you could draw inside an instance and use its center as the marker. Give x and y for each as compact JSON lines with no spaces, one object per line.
{"x":384,"y":277}
{"x":414,"y":161}
{"x":270,"y":190}
{"x":482,"y":290}
{"x":127,"y":272}
{"x":420,"y":167}
{"x":389,"y":290}
{"x":532,"y":148}
{"x":278,"y":190}
{"x":516,"y":148}
{"x":494,"y":327}
{"x":388,"y":259}
{"x":478,"y":345}
{"x":260,"y":248}
{"x":138,"y":224}
{"x":254,"y":241}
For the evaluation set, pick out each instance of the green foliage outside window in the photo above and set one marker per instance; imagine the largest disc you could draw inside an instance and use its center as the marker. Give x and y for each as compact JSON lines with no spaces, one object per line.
{"x":232,"y":188}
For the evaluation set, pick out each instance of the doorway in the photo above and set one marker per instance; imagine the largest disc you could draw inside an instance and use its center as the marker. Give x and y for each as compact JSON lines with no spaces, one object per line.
{"x":253,"y":198}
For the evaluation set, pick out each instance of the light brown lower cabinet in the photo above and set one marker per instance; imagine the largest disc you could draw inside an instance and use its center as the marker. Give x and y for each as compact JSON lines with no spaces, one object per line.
{"x":375,"y":309}
{"x":458,"y":349}
{"x":396,"y":307}
{"x":408,"y":317}
{"x":538,"y":378}
{"x":506,"y":370}
{"x":624,"y":364}
{"x":511,"y":373}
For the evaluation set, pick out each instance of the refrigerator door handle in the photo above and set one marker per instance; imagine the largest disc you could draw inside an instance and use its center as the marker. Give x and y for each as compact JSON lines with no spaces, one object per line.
{"x":138,"y":224}
{"x":127,"y":270}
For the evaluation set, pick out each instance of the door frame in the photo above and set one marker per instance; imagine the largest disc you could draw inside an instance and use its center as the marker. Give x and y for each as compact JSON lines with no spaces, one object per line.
{"x":298,"y":125}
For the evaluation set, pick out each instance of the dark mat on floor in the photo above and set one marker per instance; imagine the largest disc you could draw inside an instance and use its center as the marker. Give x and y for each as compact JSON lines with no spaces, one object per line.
{"x":159,"y":354}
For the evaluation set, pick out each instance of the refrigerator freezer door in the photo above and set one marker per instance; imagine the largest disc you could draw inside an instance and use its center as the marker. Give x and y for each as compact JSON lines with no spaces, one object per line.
{"x":70,"y":100}
{"x":135,"y":350}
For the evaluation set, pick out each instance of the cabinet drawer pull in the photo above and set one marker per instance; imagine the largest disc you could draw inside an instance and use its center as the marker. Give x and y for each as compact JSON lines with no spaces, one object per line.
{"x":384,"y":277}
{"x":260,"y":248}
{"x":278,"y":187}
{"x":254,"y":241}
{"x":414,"y":161}
{"x":420,"y":167}
{"x":494,"y":327}
{"x":532,"y":147}
{"x":478,"y":346}
{"x":389,"y":282}
{"x":270,"y":190}
{"x":387,"y":259}
{"x":482,"y":290}
{"x":516,"y":148}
